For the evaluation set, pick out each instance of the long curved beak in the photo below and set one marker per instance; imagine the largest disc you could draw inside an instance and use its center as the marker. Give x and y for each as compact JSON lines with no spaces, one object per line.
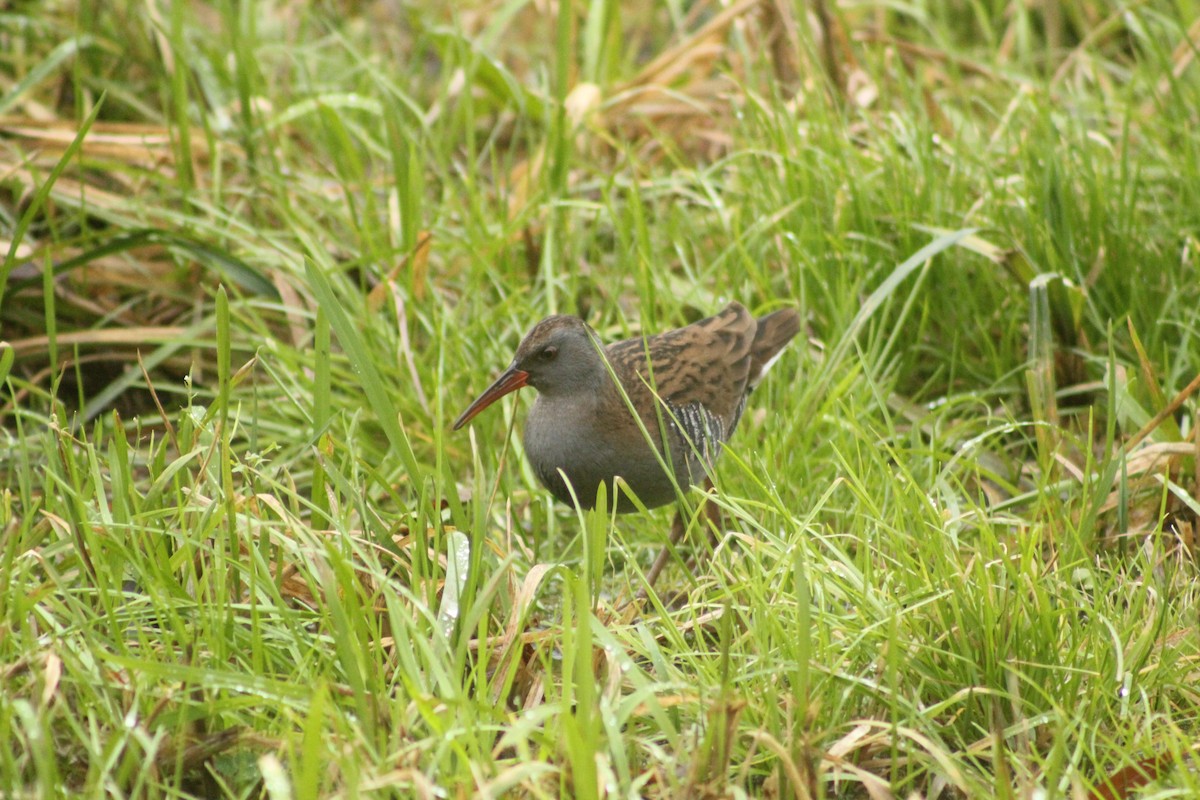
{"x":510,"y":381}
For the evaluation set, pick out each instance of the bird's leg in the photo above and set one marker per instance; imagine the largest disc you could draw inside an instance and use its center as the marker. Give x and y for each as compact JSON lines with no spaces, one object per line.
{"x":712,"y":513}
{"x":678,"y":528}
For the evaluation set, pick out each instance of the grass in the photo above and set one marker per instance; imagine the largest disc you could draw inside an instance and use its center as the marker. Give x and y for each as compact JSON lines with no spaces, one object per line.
{"x":257,"y":258}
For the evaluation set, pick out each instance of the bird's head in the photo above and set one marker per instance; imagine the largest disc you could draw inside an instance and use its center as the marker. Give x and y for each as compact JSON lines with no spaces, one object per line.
{"x":559,"y":356}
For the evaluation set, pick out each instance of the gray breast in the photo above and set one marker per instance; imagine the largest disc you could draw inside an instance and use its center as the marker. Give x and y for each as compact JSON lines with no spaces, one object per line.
{"x":566,"y":439}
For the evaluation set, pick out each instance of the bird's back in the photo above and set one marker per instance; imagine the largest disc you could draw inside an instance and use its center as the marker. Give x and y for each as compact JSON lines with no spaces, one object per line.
{"x":707,"y":362}
{"x":698,"y":377}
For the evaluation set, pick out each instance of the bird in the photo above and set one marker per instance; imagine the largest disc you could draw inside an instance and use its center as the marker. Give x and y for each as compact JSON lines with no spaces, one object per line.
{"x":654,"y":411}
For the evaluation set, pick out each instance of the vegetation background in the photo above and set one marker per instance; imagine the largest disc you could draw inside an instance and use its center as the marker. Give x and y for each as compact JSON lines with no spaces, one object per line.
{"x":257,"y":255}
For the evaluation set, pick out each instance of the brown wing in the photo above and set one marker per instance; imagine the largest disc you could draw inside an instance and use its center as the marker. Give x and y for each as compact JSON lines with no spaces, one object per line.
{"x":703,"y":368}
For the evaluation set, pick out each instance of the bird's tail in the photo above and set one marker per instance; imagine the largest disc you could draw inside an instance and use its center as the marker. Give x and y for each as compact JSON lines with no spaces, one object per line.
{"x":774,"y":332}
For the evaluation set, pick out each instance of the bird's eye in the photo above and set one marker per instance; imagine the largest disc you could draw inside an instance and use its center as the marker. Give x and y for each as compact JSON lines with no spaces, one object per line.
{"x":548,"y":353}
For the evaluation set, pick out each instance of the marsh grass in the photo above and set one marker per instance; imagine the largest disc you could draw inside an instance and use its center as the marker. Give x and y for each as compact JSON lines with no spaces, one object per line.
{"x":258,"y":257}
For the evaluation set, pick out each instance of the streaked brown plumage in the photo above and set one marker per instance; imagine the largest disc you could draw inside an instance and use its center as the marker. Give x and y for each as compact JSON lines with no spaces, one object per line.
{"x":581,"y":427}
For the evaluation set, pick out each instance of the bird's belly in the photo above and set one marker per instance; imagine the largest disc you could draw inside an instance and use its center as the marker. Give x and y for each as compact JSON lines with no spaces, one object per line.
{"x":587,"y":453}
